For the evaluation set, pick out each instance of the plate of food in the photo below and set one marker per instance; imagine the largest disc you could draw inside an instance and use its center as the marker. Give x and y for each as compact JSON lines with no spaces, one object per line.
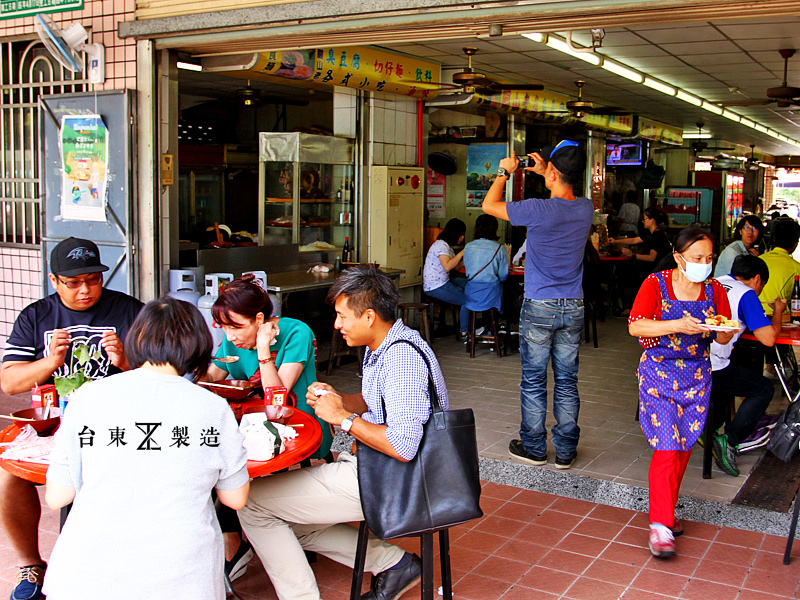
{"x":720,"y":323}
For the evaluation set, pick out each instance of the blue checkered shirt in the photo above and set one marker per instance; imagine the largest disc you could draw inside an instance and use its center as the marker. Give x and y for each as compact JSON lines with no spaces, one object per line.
{"x":399,"y":375}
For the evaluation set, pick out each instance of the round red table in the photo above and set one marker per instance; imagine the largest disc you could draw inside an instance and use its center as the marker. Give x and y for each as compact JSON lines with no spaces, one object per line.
{"x":308,"y":439}
{"x":788,"y":335}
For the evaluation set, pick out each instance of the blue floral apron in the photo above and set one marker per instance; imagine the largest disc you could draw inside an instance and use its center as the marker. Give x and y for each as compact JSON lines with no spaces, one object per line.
{"x":675,"y":377}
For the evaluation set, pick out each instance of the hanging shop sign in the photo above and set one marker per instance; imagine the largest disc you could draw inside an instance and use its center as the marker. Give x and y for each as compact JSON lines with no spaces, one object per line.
{"x":84,"y":167}
{"x":658,"y":132}
{"x":13,"y":9}
{"x":436,"y":193}
{"x":354,"y":67}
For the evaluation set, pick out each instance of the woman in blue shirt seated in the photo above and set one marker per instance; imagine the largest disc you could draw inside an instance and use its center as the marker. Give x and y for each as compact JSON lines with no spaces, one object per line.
{"x":486,"y":263}
{"x":746,"y":237}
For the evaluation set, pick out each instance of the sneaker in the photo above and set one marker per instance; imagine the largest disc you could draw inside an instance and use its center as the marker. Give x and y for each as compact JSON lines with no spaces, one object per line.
{"x":516,"y":450}
{"x":393,"y":583}
{"x":725,"y":455}
{"x":479,"y":331}
{"x":565,"y":463}
{"x":757,"y":439}
{"x":702,"y":440}
{"x":237,"y":566}
{"x":662,"y":541}
{"x":28,"y":583}
{"x":676,"y":529}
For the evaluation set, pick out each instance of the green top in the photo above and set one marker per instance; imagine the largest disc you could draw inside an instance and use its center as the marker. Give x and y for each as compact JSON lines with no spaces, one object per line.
{"x":294,"y":344}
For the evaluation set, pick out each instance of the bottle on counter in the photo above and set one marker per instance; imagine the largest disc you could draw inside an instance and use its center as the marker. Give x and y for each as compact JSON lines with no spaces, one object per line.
{"x":347,"y":252}
{"x":794,"y":306}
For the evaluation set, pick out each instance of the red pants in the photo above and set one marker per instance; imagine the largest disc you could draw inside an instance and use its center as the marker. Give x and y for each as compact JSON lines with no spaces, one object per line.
{"x":666,"y":473}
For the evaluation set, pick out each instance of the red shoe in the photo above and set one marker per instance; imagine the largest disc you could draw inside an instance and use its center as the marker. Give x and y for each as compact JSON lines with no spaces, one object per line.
{"x":676,"y":529}
{"x":661,"y":542}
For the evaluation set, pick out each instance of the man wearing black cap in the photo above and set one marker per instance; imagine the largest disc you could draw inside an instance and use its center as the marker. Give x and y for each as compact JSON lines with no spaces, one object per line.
{"x":38,"y":349}
{"x":551,"y":320}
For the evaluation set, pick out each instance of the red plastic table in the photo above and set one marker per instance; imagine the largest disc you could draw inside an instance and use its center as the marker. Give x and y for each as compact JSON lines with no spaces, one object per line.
{"x":309,"y":438}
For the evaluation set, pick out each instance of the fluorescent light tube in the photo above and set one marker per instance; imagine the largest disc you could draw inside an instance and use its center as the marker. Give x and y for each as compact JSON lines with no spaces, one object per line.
{"x":711,"y":107}
{"x":189,"y":66}
{"x":658,"y":86}
{"x":761,"y":128}
{"x":697,"y":136}
{"x":561,"y":46}
{"x":731,"y":115}
{"x":536,"y":37}
{"x":621,"y":70}
{"x":691,"y":99}
{"x":748,"y":122}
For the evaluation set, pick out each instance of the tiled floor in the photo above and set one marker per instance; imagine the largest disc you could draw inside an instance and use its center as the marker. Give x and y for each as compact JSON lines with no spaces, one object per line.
{"x":532,"y":545}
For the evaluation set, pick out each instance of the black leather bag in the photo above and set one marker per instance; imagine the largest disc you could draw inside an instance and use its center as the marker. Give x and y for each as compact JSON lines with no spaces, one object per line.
{"x":440,"y":487}
{"x":784,"y":441}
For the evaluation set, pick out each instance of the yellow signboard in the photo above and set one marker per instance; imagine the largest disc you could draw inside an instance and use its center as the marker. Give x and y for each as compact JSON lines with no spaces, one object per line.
{"x":652,"y":130}
{"x":354,"y":67}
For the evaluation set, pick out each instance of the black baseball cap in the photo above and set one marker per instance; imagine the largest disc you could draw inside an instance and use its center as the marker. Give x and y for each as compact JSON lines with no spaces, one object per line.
{"x":566,"y":156}
{"x":75,"y":256}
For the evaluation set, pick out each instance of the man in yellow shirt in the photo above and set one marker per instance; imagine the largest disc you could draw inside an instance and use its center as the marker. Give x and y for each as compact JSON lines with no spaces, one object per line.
{"x":782,"y":267}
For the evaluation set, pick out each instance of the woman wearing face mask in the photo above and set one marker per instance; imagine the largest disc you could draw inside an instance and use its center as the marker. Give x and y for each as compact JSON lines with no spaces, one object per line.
{"x":668,"y":317}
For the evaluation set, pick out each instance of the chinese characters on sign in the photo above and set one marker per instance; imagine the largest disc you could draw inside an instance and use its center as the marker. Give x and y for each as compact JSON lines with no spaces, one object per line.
{"x":13,"y":9}
{"x":436,"y":183}
{"x":148,"y":435}
{"x":84,"y":156}
{"x":355,"y":67}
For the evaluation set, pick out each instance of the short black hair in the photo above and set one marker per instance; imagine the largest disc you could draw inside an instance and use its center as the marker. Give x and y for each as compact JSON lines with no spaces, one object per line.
{"x":170,"y":332}
{"x":365,"y":287}
{"x":786,"y":233}
{"x":751,"y":220}
{"x":747,"y":266}
{"x":453,"y":231}
{"x":689,"y":235}
{"x":486,"y":227}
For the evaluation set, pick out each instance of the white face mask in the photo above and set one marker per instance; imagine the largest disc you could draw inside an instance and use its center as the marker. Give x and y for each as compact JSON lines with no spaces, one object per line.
{"x":697,"y":272}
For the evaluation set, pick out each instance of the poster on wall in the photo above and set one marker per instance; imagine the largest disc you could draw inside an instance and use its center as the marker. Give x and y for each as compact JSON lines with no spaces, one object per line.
{"x":435,"y":194}
{"x":482,"y":163}
{"x":84,"y":167}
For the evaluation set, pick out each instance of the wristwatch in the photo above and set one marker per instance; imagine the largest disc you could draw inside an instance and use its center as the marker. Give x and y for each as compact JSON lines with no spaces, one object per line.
{"x":348,"y":422}
{"x":501,"y":172}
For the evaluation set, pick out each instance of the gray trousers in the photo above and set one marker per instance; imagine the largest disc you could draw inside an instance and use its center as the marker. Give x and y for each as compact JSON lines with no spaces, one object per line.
{"x":308,"y":509}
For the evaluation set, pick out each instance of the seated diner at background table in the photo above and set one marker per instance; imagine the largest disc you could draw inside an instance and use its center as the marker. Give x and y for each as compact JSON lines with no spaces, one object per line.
{"x":272,"y":351}
{"x":138,"y":455}
{"x":674,"y":372}
{"x":655,"y":246}
{"x":730,"y":380}
{"x":440,"y":261}
{"x":782,"y":267}
{"x":746,"y":238}
{"x":40,"y":347}
{"x":486,"y":263}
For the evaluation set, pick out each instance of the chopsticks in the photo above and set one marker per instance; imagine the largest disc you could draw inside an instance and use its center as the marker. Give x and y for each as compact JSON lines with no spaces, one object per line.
{"x":12,"y":418}
{"x":222,"y":385}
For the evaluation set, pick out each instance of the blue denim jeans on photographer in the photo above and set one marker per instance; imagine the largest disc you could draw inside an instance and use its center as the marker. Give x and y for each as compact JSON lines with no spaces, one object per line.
{"x":452,"y":292}
{"x":550,"y":329}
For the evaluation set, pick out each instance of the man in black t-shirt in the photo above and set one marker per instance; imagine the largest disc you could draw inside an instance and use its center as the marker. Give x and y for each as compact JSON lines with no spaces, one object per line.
{"x":39,"y":347}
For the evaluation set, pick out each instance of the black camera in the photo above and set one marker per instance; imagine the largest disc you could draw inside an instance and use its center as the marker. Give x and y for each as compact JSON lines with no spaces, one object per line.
{"x":526,"y":161}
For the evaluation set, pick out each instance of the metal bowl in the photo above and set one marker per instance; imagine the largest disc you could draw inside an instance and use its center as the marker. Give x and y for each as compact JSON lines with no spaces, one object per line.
{"x":43,"y":427}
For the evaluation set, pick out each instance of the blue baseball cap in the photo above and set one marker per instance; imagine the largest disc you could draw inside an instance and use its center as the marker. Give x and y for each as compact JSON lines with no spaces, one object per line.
{"x":566,"y":156}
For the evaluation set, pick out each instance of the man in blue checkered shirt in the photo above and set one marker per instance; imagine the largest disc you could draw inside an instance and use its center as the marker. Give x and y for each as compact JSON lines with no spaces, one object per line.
{"x":310,"y":508}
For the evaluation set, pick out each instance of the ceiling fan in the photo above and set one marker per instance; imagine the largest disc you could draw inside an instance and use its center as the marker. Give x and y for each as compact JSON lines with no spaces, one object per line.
{"x":699,"y":145}
{"x":471,"y":81}
{"x":580,"y":107}
{"x":784,"y":95}
{"x":753,"y":163}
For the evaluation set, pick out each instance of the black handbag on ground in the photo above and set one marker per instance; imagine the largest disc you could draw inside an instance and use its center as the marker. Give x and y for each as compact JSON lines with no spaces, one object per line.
{"x":784,"y":441}
{"x":440,"y":487}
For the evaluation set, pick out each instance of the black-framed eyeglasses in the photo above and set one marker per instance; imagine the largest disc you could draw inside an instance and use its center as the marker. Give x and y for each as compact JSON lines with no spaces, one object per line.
{"x":90,"y":280}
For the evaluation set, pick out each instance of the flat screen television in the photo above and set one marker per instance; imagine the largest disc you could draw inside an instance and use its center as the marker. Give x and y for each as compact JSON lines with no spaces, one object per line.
{"x":624,"y":154}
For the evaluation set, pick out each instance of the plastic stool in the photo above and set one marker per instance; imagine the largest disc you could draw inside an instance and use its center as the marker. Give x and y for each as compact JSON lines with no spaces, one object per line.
{"x":421,"y":310}
{"x":426,"y":554}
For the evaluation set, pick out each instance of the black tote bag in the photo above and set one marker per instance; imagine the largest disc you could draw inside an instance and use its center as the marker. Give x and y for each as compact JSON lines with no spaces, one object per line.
{"x":440,"y":487}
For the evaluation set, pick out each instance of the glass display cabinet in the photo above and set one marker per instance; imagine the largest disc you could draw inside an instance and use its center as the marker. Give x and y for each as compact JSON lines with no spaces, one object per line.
{"x":306,"y":190}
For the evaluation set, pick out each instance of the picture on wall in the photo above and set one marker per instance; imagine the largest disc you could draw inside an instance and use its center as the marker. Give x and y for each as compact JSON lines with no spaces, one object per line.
{"x":482,"y":163}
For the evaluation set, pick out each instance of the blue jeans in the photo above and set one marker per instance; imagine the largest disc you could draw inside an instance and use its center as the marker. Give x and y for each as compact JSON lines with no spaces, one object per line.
{"x":550,"y":329}
{"x":452,"y":292}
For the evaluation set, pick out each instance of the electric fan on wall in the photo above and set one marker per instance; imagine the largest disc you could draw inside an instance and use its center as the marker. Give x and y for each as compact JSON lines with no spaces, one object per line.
{"x":65,"y":46}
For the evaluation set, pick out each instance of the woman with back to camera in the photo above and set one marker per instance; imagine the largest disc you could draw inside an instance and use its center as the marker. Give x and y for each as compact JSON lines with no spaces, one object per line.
{"x":272,"y":351}
{"x":746,"y":237}
{"x":486,"y":263}
{"x":439,"y":262}
{"x":674,"y":372}
{"x":138,"y":454}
